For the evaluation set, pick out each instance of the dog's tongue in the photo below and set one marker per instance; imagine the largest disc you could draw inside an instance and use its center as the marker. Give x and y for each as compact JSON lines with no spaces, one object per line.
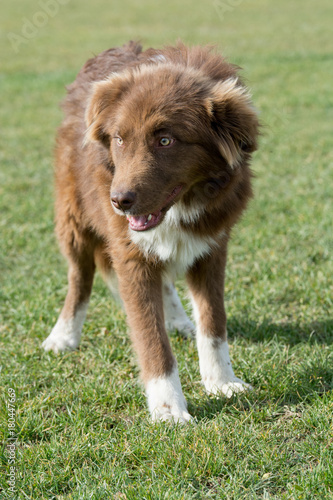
{"x":144,"y":222}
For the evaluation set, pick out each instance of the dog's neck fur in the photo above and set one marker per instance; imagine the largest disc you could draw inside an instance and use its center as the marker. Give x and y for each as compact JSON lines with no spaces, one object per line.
{"x":175,"y":246}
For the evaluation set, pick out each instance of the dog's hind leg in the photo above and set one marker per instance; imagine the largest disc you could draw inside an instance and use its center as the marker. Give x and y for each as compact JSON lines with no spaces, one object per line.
{"x":174,"y":314}
{"x":66,"y":333}
{"x":175,"y":317}
{"x":107,"y":272}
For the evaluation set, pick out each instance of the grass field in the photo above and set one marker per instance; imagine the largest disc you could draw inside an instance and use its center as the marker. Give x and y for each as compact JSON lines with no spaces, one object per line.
{"x":81,"y":422}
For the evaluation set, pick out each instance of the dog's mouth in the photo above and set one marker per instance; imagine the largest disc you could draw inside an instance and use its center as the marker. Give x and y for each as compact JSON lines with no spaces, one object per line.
{"x":149,"y":221}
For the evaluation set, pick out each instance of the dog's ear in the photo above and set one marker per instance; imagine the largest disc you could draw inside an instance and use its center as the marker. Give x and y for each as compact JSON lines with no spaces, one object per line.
{"x":233,"y":119}
{"x":105,"y":96}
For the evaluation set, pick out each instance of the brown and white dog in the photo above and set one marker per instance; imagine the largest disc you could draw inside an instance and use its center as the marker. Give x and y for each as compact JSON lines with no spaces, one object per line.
{"x":152,"y":172}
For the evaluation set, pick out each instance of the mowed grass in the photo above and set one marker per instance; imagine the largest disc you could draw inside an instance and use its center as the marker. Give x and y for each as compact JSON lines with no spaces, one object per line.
{"x":82,"y":426}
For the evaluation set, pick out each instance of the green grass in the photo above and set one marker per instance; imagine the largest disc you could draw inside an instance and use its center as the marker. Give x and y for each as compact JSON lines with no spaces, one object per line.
{"x":81,"y":420}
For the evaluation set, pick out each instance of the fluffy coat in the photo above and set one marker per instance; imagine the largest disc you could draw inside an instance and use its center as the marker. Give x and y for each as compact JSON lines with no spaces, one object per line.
{"x":152,"y":172}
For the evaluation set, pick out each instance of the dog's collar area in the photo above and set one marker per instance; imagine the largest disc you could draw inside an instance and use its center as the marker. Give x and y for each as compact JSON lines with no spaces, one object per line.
{"x":149,"y":221}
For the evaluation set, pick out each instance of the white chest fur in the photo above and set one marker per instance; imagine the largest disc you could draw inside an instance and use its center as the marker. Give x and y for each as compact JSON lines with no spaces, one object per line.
{"x":172,"y":244}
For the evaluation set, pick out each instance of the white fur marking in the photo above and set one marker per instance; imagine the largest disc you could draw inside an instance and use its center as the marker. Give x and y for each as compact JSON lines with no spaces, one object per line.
{"x":111,"y":280}
{"x":173,"y":244}
{"x":166,"y":400}
{"x":215,"y":367}
{"x":181,"y":213}
{"x":66,"y":333}
{"x":174,"y":314}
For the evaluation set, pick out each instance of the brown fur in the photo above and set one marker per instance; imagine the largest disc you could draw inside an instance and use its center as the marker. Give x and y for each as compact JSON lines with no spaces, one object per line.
{"x":126,"y":92}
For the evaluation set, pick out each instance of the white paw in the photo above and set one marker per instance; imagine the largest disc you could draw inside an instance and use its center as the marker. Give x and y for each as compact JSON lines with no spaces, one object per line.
{"x":227,"y":389}
{"x":66,"y":333}
{"x":65,"y":336}
{"x":215,"y":367}
{"x":60,"y":343}
{"x":166,"y":400}
{"x":184,"y":327}
{"x":167,"y":413}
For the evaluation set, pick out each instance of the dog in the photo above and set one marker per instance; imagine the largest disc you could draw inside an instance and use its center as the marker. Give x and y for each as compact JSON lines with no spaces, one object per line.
{"x":152,"y":172}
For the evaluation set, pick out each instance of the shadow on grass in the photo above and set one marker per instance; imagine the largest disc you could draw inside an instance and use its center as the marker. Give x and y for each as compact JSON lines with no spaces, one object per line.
{"x":289,"y":333}
{"x":289,"y":384}
{"x":304,"y":391}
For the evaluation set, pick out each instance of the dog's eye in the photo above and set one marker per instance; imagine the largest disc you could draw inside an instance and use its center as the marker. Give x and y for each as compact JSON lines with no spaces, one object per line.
{"x":120,"y":141}
{"x":165,"y":141}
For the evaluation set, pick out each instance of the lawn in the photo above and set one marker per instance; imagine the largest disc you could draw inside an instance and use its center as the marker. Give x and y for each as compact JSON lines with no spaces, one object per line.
{"x":81,"y":422}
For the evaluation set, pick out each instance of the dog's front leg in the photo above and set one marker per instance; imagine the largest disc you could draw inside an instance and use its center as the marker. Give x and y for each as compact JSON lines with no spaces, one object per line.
{"x":66,"y":333}
{"x":141,"y":291}
{"x":206,"y":282}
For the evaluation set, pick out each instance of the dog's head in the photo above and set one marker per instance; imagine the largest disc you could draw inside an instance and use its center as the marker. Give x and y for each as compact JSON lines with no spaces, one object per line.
{"x":172,"y":132}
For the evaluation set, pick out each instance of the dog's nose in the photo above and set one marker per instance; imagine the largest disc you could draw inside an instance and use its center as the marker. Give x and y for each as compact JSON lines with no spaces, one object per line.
{"x":123,"y":200}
